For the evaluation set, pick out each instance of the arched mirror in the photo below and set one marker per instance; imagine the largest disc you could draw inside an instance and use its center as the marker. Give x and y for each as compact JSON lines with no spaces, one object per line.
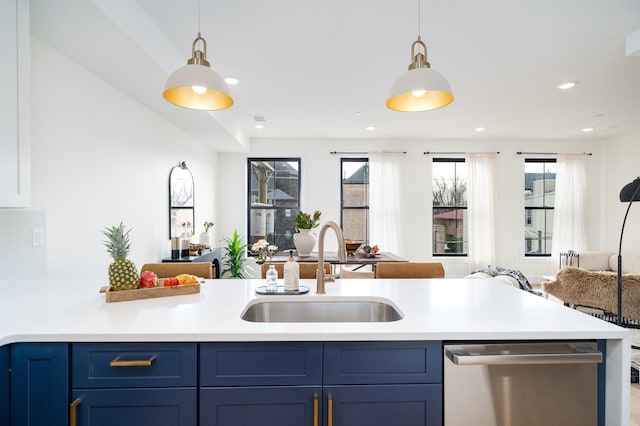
{"x":181,"y":205}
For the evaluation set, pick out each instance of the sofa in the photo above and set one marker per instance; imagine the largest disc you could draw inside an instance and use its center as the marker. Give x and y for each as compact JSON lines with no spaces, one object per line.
{"x":594,"y":283}
{"x":606,"y":261}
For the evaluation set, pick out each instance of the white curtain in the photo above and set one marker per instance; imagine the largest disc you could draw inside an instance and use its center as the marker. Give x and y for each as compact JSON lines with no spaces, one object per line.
{"x":570,"y":204}
{"x":384,"y":200}
{"x":481,"y":208}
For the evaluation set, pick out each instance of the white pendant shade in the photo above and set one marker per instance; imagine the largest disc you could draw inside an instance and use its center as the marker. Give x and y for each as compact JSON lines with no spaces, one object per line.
{"x":419,"y":89}
{"x":198,"y":87}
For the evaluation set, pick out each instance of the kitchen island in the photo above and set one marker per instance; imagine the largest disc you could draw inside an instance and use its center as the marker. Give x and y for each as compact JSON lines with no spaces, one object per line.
{"x":433,"y":310}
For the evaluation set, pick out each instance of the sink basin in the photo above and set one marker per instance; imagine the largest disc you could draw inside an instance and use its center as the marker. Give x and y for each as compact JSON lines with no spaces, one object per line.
{"x":321,"y":311}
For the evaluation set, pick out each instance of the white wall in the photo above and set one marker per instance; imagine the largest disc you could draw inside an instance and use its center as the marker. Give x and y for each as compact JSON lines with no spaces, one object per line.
{"x":320,"y":179}
{"x":22,"y":255}
{"x":622,"y":167}
{"x":99,"y":158}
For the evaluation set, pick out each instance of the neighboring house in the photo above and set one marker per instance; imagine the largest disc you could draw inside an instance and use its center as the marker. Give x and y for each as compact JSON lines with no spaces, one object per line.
{"x":355,"y":195}
{"x":448,"y":231}
{"x":538,"y":228}
{"x":274,"y":202}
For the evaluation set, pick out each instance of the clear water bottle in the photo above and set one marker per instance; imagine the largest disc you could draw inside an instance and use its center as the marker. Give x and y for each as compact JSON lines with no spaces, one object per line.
{"x":272,"y":279}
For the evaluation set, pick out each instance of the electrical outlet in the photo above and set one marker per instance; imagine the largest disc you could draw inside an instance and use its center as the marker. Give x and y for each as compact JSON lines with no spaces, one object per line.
{"x":37,"y":235}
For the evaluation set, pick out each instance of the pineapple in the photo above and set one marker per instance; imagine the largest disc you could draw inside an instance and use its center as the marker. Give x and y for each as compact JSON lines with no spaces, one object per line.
{"x":123,"y":274}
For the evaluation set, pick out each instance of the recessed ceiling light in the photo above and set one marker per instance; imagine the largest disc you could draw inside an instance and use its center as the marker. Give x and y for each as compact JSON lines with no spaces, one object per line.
{"x":588,"y":129}
{"x":567,"y":85}
{"x":259,"y":121}
{"x":232,"y":81}
{"x":371,"y":128}
{"x":480,"y":129}
{"x":357,"y":114}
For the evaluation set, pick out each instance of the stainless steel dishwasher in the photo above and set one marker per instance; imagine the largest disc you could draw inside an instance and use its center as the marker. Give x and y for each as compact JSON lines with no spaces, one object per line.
{"x":521,"y":384}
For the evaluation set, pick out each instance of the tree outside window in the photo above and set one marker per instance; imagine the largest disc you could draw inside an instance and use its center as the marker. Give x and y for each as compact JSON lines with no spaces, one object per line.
{"x":449,"y":191}
{"x":273,"y":200}
{"x":539,"y":200}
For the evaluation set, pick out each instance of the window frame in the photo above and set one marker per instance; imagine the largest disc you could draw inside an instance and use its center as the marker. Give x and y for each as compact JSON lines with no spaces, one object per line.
{"x":294,"y":209}
{"x":543,"y":208}
{"x":457,"y":207}
{"x":342,"y":205}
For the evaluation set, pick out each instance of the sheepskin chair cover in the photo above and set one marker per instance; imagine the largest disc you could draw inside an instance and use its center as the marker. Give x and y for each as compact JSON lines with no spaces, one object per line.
{"x":597,"y":290}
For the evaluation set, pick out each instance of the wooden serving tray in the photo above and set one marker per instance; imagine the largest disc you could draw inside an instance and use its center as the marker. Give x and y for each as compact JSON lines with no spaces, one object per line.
{"x":148,"y":293}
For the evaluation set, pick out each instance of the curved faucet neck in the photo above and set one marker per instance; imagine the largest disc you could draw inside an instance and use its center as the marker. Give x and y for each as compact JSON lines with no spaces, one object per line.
{"x":342,"y":253}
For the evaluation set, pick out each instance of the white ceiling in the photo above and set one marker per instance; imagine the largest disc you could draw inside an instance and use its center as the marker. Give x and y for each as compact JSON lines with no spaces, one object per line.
{"x":310,"y":66}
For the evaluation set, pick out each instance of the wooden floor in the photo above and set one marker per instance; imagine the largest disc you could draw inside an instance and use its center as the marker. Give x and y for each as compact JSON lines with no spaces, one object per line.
{"x":634,"y":406}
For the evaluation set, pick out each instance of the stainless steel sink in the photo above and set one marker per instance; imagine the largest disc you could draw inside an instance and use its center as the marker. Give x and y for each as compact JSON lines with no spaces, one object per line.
{"x":321,"y":311}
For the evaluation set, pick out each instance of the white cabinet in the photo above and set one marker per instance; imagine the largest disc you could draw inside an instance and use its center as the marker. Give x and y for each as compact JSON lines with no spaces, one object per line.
{"x":15,"y":144}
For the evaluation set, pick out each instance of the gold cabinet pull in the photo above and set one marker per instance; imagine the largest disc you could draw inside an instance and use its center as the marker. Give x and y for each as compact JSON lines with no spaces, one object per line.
{"x":73,"y":415}
{"x":315,"y":409}
{"x":117,"y":362}
{"x":330,"y":412}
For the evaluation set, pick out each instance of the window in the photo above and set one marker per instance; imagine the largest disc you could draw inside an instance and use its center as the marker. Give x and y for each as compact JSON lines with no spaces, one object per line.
{"x":273,"y":200}
{"x":539,"y":191}
{"x":449,"y":188}
{"x":355,"y":198}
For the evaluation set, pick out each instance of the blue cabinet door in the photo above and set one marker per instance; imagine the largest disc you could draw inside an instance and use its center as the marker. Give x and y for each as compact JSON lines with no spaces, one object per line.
{"x":350,"y":363}
{"x":260,"y":363}
{"x":136,"y":407}
{"x":383,"y":405}
{"x":39,"y":384}
{"x":264,"y":406}
{"x":5,"y":356}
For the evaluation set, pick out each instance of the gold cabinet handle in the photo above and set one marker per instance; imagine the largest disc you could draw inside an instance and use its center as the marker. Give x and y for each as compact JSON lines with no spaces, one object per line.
{"x":315,"y":409}
{"x":330,"y":412}
{"x":73,"y":415}
{"x":117,"y":362}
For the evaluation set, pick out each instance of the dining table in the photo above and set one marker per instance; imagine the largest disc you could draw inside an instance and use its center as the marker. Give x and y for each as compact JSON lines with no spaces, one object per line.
{"x":332,"y":258}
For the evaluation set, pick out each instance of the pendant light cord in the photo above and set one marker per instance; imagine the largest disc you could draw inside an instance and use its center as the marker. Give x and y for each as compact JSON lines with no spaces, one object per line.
{"x":419,"y":28}
{"x":199,"y":17}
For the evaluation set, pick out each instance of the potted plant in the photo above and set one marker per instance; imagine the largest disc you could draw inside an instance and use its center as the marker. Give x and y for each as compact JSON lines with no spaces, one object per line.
{"x":205,"y":238}
{"x":233,"y":260}
{"x":303,"y":239}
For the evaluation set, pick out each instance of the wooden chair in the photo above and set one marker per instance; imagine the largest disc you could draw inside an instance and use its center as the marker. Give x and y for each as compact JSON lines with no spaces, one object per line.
{"x":409,"y":270}
{"x":165,"y":270}
{"x":307,"y":269}
{"x":348,"y":273}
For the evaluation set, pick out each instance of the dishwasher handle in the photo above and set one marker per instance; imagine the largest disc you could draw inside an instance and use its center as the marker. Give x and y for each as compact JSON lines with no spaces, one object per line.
{"x":462,"y":355}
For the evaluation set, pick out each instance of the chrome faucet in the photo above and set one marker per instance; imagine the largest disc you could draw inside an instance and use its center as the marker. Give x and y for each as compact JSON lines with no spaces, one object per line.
{"x":342,"y":254}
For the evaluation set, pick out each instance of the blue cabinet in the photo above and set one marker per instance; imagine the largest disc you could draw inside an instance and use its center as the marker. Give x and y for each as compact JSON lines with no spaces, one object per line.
{"x":260,"y":363}
{"x":333,"y":383}
{"x":136,"y":384}
{"x":221,"y":384}
{"x":382,"y":362}
{"x":5,"y":385}
{"x":39,"y":384}
{"x":384,"y":405}
{"x":264,"y":405}
{"x":383,"y":383}
{"x":136,"y":407}
{"x":260,"y":383}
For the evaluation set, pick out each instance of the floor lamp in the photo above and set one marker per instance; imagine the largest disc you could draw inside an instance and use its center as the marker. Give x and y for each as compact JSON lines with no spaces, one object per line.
{"x":629,"y":193}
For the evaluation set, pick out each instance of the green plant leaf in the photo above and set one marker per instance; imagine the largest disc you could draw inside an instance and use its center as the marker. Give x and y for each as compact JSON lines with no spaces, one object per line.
{"x":233,"y":260}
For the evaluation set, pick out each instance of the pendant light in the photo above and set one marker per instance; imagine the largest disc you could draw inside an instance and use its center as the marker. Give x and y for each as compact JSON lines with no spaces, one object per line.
{"x":196,"y":85}
{"x":421,"y":88}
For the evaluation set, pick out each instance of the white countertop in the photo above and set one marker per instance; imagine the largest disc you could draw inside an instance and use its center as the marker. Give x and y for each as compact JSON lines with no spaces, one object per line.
{"x":440,"y":309}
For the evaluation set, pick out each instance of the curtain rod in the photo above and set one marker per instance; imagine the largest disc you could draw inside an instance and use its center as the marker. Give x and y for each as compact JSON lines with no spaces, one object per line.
{"x":552,"y":153}
{"x":367,"y":152}
{"x":457,"y":152}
